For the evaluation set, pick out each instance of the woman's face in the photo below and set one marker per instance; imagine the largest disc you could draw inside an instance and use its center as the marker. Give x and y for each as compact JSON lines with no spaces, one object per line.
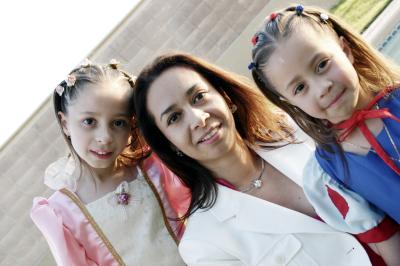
{"x":191,"y":114}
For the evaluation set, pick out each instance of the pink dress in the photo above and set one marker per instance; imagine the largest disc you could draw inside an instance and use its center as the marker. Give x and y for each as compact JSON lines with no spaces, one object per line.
{"x":105,"y":233}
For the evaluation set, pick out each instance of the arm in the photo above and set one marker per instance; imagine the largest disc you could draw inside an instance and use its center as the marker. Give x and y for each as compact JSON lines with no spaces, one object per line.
{"x":65,"y":248}
{"x":347,"y":211}
{"x":388,"y":249}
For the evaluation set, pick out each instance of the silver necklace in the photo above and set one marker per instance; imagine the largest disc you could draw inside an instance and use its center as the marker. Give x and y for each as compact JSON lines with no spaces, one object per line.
{"x":393,"y":144}
{"x":256,"y":182}
{"x":391,"y":139}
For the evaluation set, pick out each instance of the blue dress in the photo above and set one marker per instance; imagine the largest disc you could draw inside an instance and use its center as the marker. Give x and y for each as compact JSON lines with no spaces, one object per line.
{"x":368,"y":175}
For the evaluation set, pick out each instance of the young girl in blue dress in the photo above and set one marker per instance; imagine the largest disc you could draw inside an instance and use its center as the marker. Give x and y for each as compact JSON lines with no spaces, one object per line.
{"x":343,"y":94}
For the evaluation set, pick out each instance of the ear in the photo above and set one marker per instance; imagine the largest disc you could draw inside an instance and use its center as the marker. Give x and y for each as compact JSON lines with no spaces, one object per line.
{"x":64,"y":124}
{"x":226,"y":97}
{"x":344,"y":44}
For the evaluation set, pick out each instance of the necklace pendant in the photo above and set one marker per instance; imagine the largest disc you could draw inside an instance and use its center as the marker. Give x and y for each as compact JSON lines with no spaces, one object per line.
{"x":123,"y":198}
{"x":122,"y":195}
{"x":257,"y":183}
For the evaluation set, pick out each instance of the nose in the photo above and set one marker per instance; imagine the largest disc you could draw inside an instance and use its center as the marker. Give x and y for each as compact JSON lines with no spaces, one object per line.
{"x":198,"y":118}
{"x":325,"y":87}
{"x":103,"y":135}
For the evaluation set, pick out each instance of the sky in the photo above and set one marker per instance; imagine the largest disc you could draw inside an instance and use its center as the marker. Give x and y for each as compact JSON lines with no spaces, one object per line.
{"x":41,"y":41}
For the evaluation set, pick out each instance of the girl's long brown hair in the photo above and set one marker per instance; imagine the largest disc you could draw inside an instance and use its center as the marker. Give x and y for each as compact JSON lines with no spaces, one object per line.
{"x":374,"y":71}
{"x":96,"y":74}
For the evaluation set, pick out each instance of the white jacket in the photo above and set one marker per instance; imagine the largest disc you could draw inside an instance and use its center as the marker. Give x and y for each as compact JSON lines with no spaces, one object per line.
{"x":244,"y":230}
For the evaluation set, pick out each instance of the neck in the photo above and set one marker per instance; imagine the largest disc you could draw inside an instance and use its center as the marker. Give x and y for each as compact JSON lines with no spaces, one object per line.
{"x":239,"y":166}
{"x":364,"y":98}
{"x":94,"y":184}
{"x":113,"y":173}
{"x":103,"y":174}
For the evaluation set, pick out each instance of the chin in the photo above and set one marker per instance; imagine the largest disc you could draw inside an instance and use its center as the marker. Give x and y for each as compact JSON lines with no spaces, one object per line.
{"x":99,"y":165}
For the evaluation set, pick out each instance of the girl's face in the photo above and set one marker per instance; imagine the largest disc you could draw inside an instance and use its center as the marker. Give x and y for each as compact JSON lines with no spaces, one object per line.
{"x":314,"y":71}
{"x":191,"y":114}
{"x":98,"y":123}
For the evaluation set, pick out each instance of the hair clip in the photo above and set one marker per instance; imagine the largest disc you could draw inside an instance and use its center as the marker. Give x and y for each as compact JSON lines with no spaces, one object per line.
{"x":60,"y":90}
{"x":114,"y":62}
{"x":299,"y":10}
{"x":273,"y":16}
{"x":324,"y":17}
{"x":259,"y":39}
{"x":251,"y":66}
{"x":254,"y":40}
{"x":85,"y":63}
{"x":70,"y":80}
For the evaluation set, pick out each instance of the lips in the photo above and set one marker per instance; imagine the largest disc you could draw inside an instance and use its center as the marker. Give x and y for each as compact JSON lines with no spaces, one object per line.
{"x":336,"y":98}
{"x":101,"y":154}
{"x":210,"y":134}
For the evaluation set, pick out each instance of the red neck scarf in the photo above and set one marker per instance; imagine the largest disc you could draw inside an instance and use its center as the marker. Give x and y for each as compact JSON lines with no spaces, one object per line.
{"x":358,"y":120}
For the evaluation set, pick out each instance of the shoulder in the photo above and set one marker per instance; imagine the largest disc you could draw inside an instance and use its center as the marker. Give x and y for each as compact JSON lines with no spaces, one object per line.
{"x":289,"y":159}
{"x":393,"y":95}
{"x":225,"y":207}
{"x":155,"y":170}
{"x":342,"y":208}
{"x":60,"y":174}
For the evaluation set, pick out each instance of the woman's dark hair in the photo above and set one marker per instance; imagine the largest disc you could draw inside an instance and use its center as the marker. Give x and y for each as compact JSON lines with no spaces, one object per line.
{"x":255,"y":121}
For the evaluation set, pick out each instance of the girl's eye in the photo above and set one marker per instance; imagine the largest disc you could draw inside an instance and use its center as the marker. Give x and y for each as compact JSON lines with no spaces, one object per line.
{"x":322,"y":65}
{"x":89,"y":122}
{"x":299,"y":88}
{"x":120,"y":123}
{"x":198,"y":97}
{"x":173,"y":118}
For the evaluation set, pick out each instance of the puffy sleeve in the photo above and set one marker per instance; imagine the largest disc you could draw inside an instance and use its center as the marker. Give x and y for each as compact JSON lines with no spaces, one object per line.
{"x":344,"y":209}
{"x":65,"y":248}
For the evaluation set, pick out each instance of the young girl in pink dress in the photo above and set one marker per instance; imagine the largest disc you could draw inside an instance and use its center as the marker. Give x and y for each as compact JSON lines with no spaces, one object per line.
{"x":113,"y":199}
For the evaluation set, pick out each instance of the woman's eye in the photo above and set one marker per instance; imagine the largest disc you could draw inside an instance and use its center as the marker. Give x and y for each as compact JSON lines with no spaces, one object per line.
{"x":120,"y":123}
{"x":322,"y":65}
{"x":299,"y":88}
{"x":198,"y":97}
{"x":89,"y":122}
{"x":173,"y":118}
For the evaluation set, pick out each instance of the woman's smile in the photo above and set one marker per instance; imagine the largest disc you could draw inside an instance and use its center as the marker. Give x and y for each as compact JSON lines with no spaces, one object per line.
{"x":211,"y":136}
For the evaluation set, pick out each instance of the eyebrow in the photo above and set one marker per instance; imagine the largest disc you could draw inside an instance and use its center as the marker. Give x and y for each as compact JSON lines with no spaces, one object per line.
{"x":173,"y":106}
{"x":310,"y":63}
{"x":94,"y":113}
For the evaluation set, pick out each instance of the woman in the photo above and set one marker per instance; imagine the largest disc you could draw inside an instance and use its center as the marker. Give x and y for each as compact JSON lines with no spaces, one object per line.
{"x":247,"y":206}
